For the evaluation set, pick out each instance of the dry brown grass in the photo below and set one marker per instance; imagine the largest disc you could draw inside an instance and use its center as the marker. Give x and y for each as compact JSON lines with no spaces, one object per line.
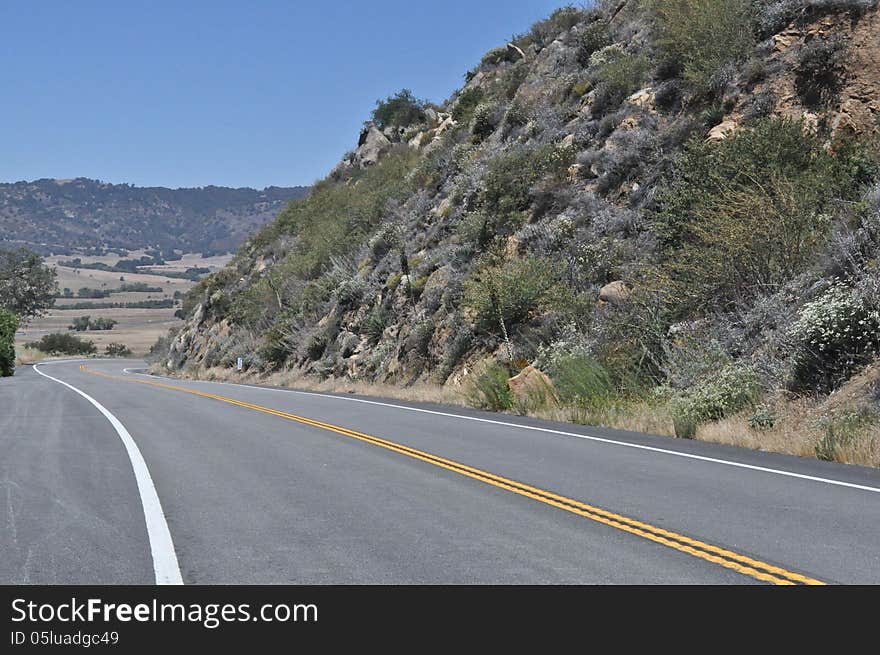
{"x":137,"y":328}
{"x":802,"y":424}
{"x":420,"y":392}
{"x":793,"y":433}
{"x":633,"y":416}
{"x":75,"y":279}
{"x":26,"y":356}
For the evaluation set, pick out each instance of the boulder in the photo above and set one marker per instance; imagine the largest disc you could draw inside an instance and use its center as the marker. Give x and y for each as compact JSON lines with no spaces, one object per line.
{"x":436,"y":285}
{"x":533,"y":387}
{"x":722,"y":130}
{"x":616,"y":293}
{"x":372,"y":144}
{"x":446,"y":124}
{"x":643,"y":98}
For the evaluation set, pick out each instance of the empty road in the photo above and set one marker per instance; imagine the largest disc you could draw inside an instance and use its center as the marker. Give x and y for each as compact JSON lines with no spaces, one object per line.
{"x":111,"y":476}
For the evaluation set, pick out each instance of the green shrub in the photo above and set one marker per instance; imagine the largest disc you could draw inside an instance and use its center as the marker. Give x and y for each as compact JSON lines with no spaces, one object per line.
{"x":561,"y":20}
{"x":630,"y":339}
{"x":102,"y":323}
{"x":731,"y":390}
{"x":496,"y":56}
{"x":764,"y":418}
{"x":419,"y":341}
{"x":487,"y":388}
{"x":510,"y":177}
{"x":63,"y":344}
{"x":713,"y":115}
{"x":512,"y":80}
{"x":595,"y":36}
{"x":832,"y":338}
{"x":517,"y":115}
{"x":80,"y":324}
{"x":83,"y":323}
{"x":466,"y":104}
{"x":485,"y":120}
{"x":820,"y":69}
{"x":684,"y":425}
{"x":456,"y":348}
{"x":117,"y":350}
{"x":8,"y":326}
{"x":316,"y":345}
{"x":402,"y":109}
{"x":335,"y":218}
{"x":509,"y":292}
{"x":377,"y":321}
{"x":739,"y":217}
{"x":351,"y":291}
{"x":619,"y":74}
{"x":704,"y":35}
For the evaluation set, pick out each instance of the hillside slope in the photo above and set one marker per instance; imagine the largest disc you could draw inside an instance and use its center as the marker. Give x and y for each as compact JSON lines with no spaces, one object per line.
{"x":666,"y":205}
{"x":60,"y":216}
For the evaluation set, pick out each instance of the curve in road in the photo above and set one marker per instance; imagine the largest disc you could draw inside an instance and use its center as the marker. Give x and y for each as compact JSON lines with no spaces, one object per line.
{"x":263,"y":485}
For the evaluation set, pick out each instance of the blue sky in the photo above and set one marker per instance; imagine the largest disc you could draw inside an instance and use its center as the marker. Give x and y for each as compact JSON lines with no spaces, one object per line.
{"x":258,"y":93}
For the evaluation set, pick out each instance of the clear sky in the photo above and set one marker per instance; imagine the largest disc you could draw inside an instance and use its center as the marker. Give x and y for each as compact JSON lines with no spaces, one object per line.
{"x":248,"y":93}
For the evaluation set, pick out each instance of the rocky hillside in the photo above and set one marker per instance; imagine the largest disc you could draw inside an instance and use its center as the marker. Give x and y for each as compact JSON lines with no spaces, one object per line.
{"x":66,"y":216}
{"x":669,"y":204}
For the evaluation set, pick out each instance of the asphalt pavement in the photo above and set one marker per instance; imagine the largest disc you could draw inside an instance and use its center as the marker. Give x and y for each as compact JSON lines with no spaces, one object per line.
{"x":262,"y":486}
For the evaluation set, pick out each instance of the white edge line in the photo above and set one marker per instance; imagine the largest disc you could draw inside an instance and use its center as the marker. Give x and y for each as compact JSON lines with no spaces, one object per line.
{"x":165,"y":565}
{"x":587,"y":437}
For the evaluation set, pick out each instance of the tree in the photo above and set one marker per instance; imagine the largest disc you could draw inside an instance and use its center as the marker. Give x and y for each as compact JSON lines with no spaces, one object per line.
{"x":8,"y":326}
{"x":400,"y":110}
{"x":27,"y":286}
{"x":80,"y":324}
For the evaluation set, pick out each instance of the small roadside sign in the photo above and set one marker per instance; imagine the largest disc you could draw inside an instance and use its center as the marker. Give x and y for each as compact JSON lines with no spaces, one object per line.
{"x":239,"y":364}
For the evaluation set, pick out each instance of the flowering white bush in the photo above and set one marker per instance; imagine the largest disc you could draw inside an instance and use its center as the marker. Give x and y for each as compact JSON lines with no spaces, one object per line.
{"x":607,"y":55}
{"x":832,"y":337}
{"x":732,"y":389}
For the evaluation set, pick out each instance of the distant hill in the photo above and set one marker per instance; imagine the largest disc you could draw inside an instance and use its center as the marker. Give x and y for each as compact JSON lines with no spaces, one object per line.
{"x":66,"y":216}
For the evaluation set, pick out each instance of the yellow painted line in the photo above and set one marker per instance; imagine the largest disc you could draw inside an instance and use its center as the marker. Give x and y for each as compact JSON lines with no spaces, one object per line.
{"x":723,"y":557}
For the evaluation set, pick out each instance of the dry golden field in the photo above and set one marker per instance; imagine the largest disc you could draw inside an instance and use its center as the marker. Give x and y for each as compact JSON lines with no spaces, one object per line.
{"x":137,"y":328}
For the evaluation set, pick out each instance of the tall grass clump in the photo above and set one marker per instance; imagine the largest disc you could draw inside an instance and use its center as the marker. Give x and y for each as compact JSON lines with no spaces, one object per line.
{"x":487,"y":388}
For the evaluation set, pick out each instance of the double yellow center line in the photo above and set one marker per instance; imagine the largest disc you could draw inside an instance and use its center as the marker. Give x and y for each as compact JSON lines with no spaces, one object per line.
{"x":705,"y":551}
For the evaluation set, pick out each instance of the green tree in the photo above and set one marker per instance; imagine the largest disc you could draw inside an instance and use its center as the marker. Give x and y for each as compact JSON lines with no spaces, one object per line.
{"x":8,"y":326}
{"x":400,"y":110}
{"x":27,"y":286}
{"x":80,"y":324}
{"x":63,"y":344}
